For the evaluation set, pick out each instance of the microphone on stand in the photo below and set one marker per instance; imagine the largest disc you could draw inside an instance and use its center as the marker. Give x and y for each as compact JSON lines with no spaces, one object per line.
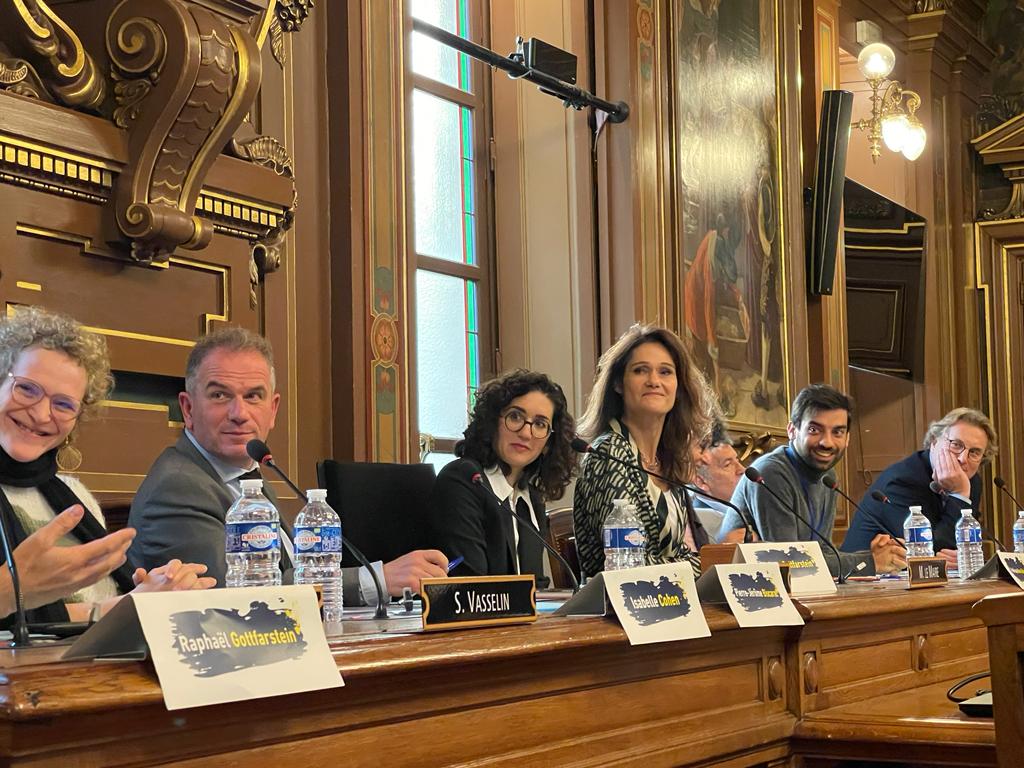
{"x":260,"y":453}
{"x":829,"y":482}
{"x":477,"y":479}
{"x":1001,"y":485}
{"x":582,"y":446}
{"x":881,"y":498}
{"x":19,"y":631}
{"x":934,"y":487}
{"x":754,"y":476}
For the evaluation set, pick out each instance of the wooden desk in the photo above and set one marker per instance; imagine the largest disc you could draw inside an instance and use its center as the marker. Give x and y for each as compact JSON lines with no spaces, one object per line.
{"x":560,"y":692}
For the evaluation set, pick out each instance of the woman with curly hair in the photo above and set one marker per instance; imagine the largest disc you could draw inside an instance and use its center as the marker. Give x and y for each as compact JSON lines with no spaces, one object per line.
{"x":650,"y":406}
{"x":519,"y":440}
{"x":53,"y":375}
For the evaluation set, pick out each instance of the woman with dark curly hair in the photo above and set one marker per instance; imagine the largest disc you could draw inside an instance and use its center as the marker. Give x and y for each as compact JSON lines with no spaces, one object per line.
{"x":650,"y":406}
{"x":519,"y":439}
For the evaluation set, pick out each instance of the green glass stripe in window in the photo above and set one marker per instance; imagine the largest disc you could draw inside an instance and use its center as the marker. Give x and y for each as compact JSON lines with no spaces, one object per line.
{"x":467,"y":133}
{"x":472,"y":312}
{"x":467,"y":187}
{"x":469,"y":235}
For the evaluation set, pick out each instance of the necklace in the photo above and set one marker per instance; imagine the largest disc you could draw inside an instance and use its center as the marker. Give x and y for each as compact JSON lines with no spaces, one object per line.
{"x":652,"y":464}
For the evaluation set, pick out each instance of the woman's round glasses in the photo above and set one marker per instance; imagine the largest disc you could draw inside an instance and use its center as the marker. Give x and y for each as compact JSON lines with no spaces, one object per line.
{"x":27,"y":392}
{"x":515,"y":420}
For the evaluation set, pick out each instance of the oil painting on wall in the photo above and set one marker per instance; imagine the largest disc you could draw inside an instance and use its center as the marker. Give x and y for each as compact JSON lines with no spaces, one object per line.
{"x":725,"y":135}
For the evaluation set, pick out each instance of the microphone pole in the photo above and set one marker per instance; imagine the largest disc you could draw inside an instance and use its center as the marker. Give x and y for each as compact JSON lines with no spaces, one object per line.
{"x":478,"y":480}
{"x":1001,"y":485}
{"x":934,"y":487}
{"x":582,"y":446}
{"x":754,"y":476}
{"x":829,"y":482}
{"x":260,"y":453}
{"x":19,"y":633}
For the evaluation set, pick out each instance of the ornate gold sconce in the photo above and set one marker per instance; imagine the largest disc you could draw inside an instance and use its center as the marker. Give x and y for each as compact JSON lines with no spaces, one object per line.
{"x":890,"y":122}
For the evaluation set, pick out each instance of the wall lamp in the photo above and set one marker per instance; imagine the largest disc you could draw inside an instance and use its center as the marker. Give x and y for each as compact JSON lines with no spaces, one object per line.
{"x":890,"y":121}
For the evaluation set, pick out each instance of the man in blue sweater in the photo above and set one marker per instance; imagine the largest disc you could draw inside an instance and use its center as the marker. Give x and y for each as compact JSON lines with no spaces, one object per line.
{"x":819,"y":433}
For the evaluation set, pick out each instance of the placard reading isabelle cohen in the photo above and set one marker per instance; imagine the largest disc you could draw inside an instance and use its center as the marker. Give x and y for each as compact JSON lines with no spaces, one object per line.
{"x":478,"y":601}
{"x":656,"y":603}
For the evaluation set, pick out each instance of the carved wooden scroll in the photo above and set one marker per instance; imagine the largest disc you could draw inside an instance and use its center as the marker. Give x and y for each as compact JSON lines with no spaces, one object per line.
{"x":186,"y":79}
{"x":72,"y":78}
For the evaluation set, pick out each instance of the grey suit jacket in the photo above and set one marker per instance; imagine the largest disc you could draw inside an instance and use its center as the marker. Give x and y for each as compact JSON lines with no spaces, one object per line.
{"x":179,"y":512}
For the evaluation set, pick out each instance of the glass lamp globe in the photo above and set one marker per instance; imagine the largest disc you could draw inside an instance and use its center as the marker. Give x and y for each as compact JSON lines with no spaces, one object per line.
{"x":916,"y":138}
{"x":894,"y":131}
{"x":876,"y":61}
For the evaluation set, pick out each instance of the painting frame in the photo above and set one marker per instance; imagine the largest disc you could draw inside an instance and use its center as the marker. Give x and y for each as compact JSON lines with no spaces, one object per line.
{"x":758,"y":428}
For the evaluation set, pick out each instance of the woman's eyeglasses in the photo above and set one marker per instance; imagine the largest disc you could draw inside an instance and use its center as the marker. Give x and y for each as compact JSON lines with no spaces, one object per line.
{"x":27,"y":392}
{"x":515,"y":420}
{"x":957,"y":447}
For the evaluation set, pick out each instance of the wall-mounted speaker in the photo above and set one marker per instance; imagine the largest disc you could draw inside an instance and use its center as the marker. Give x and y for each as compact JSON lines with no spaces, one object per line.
{"x":826,"y":196}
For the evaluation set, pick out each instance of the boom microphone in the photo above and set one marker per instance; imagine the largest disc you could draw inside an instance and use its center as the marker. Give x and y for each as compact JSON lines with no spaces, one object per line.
{"x":477,"y":479}
{"x":582,"y":446}
{"x":754,"y":476}
{"x":260,"y":453}
{"x":830,"y":482}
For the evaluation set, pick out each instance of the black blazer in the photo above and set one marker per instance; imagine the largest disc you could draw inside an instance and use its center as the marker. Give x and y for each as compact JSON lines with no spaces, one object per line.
{"x":466,"y":520}
{"x":906,"y":483}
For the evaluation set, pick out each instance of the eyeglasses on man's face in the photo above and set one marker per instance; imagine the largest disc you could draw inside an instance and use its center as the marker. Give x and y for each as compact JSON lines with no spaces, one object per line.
{"x":515,"y":420}
{"x":957,"y":447}
{"x":27,"y":393}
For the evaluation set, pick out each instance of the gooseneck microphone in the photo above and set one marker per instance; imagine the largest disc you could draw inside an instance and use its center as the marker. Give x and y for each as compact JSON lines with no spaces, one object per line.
{"x":754,"y":476}
{"x":477,"y":479}
{"x":582,"y":446}
{"x":20,"y":630}
{"x":1001,"y":485}
{"x":830,"y":482}
{"x":260,"y":453}
{"x":881,"y":498}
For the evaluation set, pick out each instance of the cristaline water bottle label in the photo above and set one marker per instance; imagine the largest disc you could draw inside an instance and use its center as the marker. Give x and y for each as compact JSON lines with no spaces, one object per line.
{"x":623,"y":538}
{"x":320,"y":538}
{"x":1018,"y":535}
{"x":965,"y":535}
{"x":250,"y":537}
{"x":919,"y":535}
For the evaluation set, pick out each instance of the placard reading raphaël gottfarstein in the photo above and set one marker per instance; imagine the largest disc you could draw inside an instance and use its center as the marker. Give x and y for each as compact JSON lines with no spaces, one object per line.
{"x":656,"y":603}
{"x":808,"y":569}
{"x":221,"y":645}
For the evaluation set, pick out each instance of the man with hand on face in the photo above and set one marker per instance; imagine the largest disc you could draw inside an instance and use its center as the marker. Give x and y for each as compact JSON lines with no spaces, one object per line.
{"x":179,"y":510}
{"x":942,"y":479}
{"x":819,"y":432}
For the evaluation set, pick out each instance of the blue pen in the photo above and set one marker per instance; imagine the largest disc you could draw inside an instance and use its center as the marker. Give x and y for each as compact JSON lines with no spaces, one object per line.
{"x":455,"y":562}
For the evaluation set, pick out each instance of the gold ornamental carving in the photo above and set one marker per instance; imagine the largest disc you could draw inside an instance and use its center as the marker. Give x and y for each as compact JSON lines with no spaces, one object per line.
{"x":202,"y":74}
{"x":71,"y":77}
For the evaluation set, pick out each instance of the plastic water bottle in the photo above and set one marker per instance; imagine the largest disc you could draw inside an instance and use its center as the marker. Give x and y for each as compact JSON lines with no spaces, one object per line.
{"x":917,"y":532}
{"x":252,"y":545}
{"x":318,"y":551}
{"x":1018,"y":532}
{"x":969,"y":554}
{"x":623,"y":537}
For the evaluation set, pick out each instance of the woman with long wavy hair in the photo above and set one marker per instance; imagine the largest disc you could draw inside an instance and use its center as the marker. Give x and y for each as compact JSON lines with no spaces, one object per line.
{"x":519,"y":442}
{"x":649,"y":407}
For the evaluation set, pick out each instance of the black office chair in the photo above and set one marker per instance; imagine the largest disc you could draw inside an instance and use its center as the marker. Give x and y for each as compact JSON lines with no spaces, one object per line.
{"x":382,"y":506}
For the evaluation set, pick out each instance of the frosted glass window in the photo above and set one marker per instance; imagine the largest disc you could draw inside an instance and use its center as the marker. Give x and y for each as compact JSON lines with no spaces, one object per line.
{"x":442,"y":175}
{"x":447,"y":351}
{"x":436,"y":60}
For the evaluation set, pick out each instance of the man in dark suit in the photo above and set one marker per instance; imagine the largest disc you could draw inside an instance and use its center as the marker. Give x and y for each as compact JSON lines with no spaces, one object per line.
{"x":230,"y":399}
{"x":942,"y":479}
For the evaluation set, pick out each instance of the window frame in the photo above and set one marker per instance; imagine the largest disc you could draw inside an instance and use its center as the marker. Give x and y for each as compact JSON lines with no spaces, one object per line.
{"x":483,"y":272}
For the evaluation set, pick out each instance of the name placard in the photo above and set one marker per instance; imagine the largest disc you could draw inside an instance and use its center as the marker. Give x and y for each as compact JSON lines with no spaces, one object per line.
{"x":656,"y":603}
{"x":808,"y":569}
{"x":221,"y":645}
{"x":756,"y":594}
{"x":1013,"y":566}
{"x":926,"y":572}
{"x":478,"y":601}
